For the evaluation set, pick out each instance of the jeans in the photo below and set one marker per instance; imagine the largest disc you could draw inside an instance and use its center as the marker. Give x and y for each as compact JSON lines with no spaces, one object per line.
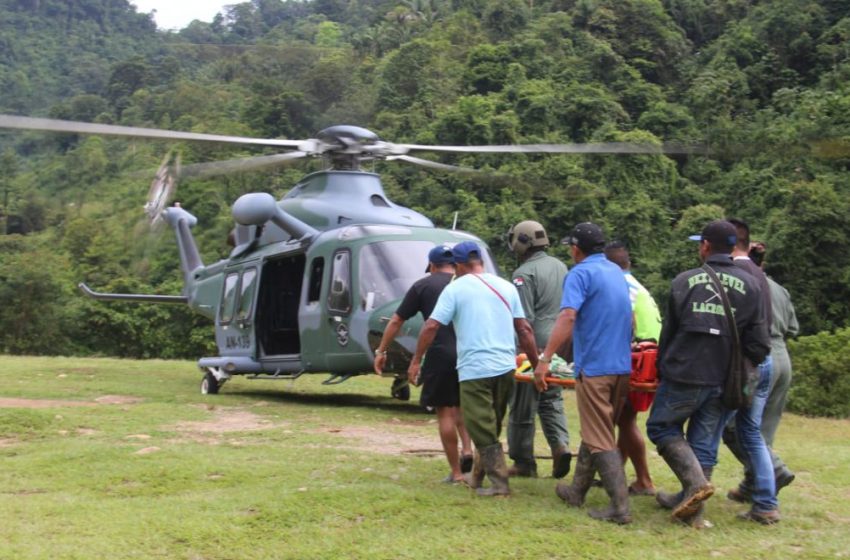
{"x":748,"y":431}
{"x":701,"y":406}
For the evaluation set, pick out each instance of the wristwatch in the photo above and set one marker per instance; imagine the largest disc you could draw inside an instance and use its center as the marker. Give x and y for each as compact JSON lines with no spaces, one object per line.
{"x":379,"y":352}
{"x":544,"y":360}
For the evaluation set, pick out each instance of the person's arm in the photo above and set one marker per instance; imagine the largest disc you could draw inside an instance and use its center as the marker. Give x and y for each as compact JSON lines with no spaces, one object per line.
{"x":426,"y":338}
{"x":390,"y":333}
{"x":755,"y":338}
{"x":793,"y":327}
{"x":562,"y":334}
{"x":525,"y":334}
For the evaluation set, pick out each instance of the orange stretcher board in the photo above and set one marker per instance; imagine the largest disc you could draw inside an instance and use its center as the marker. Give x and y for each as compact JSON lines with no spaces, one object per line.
{"x":644,"y":377}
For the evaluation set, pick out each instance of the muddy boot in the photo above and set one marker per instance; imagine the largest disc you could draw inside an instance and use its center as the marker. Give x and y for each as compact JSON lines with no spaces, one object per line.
{"x":610,"y":467}
{"x":698,"y":520}
{"x":475,"y":477}
{"x":561,"y":460}
{"x":574,"y":493}
{"x":681,"y":459}
{"x":493,"y":459}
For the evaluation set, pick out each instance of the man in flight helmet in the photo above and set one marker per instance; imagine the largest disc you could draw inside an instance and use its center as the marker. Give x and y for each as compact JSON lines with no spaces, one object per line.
{"x":539,"y":279}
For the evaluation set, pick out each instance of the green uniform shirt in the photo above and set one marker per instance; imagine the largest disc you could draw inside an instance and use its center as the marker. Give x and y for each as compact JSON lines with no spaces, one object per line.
{"x":540,"y":283}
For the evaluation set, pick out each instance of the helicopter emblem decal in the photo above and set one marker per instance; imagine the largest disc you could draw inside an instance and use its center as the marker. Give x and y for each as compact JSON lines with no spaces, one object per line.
{"x":342,"y":334}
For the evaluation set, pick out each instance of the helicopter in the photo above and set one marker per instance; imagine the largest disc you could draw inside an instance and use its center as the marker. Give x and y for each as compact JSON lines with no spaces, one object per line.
{"x":312,"y":278}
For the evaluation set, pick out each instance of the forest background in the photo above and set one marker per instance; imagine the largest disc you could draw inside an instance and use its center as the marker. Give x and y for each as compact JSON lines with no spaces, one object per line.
{"x":765,"y":84}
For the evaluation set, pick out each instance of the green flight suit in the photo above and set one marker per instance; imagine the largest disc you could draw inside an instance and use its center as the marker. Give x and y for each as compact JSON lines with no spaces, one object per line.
{"x":540,"y":283}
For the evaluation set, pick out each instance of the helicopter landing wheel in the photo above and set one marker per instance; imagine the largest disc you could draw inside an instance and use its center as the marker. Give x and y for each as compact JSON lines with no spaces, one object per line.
{"x":400,"y":389}
{"x":210,"y":384}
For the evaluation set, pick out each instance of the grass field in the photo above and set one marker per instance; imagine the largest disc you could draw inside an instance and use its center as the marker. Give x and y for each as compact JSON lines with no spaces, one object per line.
{"x":118,"y":459}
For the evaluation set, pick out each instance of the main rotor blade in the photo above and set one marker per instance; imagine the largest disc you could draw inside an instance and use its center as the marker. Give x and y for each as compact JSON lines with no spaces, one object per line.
{"x":237,"y":165}
{"x":591,"y":148}
{"x":436,"y":165}
{"x":55,"y":125}
{"x":476,"y":175}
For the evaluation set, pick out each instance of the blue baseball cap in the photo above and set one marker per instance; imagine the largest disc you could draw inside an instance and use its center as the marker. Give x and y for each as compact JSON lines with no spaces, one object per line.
{"x":441,"y":254}
{"x":465,"y":251}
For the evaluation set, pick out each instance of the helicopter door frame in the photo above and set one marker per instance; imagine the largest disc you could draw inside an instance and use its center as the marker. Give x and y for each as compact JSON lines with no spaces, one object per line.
{"x":234,"y":325}
{"x":338,"y":309}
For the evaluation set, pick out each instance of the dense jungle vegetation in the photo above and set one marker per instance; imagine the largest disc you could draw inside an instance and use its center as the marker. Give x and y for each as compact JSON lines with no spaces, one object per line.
{"x":765,"y":84}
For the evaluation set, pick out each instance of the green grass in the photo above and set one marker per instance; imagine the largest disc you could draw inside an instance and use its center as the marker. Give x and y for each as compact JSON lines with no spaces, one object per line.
{"x":281,"y":470}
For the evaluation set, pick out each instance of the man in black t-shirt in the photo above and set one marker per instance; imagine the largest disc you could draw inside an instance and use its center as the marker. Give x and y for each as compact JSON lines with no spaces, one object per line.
{"x":440,"y":388}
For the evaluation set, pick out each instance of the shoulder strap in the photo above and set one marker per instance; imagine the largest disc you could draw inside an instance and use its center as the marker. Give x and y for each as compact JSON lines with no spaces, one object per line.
{"x":495,"y":291}
{"x":727,"y":307}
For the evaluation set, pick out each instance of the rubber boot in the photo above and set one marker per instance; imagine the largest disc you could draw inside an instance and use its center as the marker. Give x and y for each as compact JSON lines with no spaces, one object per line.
{"x":681,"y":459}
{"x":574,"y":493}
{"x":561,"y":461}
{"x":493,"y":459}
{"x":610,"y":467}
{"x":475,"y":477}
{"x":698,"y":521}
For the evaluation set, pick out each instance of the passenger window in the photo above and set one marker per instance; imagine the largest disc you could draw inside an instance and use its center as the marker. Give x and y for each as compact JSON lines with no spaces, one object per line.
{"x":228,"y":298}
{"x":246,"y":294}
{"x":316,"y":270}
{"x":339,"y":299}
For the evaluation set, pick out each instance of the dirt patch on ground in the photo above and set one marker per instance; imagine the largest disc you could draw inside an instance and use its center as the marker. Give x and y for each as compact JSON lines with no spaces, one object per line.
{"x":55,"y":403}
{"x":227,"y":420}
{"x":7,"y":442}
{"x":379,"y":439}
{"x":118,"y":399}
{"x":40,"y":403}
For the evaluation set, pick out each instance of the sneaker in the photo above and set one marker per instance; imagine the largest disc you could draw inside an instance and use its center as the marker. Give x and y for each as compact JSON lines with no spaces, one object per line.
{"x":783,"y":478}
{"x":739,"y":495}
{"x":764,"y":517}
{"x":522,"y":471}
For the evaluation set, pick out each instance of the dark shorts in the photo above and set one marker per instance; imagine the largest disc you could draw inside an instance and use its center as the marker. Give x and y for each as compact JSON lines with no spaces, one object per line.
{"x":440,"y":388}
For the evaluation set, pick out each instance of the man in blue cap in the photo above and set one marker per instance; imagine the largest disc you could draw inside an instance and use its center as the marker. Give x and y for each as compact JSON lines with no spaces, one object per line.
{"x":439,"y":374}
{"x":694,"y":355}
{"x":485,"y":311}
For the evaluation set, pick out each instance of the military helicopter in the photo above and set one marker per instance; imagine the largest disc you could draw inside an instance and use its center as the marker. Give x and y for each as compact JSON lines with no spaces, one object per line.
{"x":312,"y":278}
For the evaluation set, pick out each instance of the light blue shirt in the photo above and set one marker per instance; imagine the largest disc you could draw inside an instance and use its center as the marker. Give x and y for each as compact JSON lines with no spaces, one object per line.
{"x":597,"y":290}
{"x":483,"y":324}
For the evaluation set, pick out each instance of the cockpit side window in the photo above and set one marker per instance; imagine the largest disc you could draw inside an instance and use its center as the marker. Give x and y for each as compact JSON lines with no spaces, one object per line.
{"x":228,"y":298}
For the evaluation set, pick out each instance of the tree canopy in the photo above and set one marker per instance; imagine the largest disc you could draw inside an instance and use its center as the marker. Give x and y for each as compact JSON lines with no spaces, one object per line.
{"x":763,"y":84}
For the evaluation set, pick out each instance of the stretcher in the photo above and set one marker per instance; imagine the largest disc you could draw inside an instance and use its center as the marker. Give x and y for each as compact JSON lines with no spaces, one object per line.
{"x":643,"y":381}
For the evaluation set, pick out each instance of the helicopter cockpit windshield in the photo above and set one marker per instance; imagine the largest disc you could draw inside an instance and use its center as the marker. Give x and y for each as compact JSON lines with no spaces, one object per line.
{"x":389,"y":268}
